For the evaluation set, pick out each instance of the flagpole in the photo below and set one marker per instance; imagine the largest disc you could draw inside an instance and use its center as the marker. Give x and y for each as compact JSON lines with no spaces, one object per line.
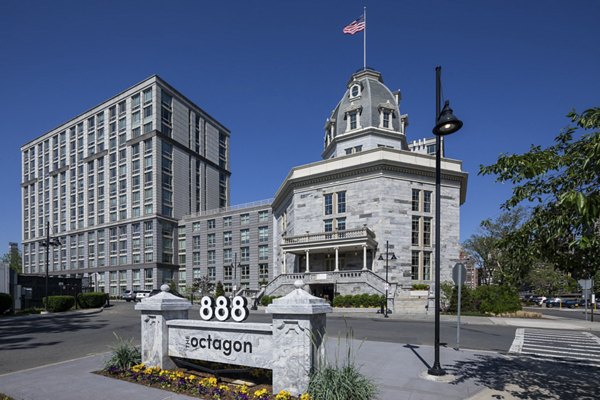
{"x":365,"y":40}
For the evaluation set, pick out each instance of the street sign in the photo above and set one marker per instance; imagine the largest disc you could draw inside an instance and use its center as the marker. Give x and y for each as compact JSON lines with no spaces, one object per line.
{"x":585,"y":283}
{"x":459,"y":274}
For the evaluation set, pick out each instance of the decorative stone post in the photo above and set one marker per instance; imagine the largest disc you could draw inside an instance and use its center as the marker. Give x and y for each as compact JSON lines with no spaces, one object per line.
{"x":299,"y":321}
{"x":156,"y":311}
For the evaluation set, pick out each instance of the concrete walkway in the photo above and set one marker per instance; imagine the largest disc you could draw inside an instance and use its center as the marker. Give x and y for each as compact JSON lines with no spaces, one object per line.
{"x":400,"y":371}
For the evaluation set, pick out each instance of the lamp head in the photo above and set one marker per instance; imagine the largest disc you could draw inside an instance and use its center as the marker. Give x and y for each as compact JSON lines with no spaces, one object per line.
{"x":447,"y":123}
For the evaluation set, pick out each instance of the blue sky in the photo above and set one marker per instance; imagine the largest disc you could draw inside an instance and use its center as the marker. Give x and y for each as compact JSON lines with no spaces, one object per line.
{"x":272,"y":71}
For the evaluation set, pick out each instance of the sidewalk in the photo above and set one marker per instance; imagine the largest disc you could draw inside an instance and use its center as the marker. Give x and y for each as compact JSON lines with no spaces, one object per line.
{"x":399,"y":370}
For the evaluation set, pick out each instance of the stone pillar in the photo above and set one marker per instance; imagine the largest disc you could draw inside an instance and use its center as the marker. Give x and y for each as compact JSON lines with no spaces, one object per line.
{"x":364,"y":258}
{"x":337,"y":260}
{"x":284,"y":263}
{"x":156,"y":311}
{"x":299,"y":321}
{"x":307,"y":261}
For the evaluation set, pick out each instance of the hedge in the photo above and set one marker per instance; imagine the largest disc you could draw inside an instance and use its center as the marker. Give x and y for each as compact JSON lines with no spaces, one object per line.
{"x":359,"y":300}
{"x":91,"y":300}
{"x":266,"y":300}
{"x":60,"y":303}
{"x":486,"y":299}
{"x":6,"y":302}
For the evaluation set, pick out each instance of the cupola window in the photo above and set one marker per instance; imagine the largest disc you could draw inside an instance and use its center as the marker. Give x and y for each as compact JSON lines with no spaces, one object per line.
{"x":355,"y":91}
{"x":353,"y":120}
{"x":386,"y":119}
{"x":386,"y":113}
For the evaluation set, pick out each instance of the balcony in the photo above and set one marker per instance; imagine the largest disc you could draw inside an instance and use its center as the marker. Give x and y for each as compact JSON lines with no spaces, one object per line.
{"x":327,"y":240}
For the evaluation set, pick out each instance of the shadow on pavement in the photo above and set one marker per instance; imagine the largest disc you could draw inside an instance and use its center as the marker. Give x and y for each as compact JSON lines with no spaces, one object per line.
{"x":529,"y":378}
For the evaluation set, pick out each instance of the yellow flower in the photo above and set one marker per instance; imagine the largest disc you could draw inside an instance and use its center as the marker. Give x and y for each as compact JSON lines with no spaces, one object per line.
{"x":243,"y":389}
{"x":224,"y":388}
{"x":305,"y":396}
{"x":260,"y":393}
{"x":283,"y":395}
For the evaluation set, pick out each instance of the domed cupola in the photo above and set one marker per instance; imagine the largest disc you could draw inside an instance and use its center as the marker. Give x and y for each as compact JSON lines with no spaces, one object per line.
{"x":368,"y":116}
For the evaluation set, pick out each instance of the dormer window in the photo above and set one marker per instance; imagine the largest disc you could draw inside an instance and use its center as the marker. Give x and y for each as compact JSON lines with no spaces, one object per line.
{"x":352,"y":118}
{"x":386,"y":113}
{"x":355,"y":90}
{"x":386,"y":119}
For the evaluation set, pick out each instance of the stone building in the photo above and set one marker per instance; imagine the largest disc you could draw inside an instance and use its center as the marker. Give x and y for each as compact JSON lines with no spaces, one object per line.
{"x":334,"y":217}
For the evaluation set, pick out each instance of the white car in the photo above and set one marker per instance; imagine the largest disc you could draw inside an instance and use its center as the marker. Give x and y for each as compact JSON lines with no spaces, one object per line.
{"x":141,"y":294}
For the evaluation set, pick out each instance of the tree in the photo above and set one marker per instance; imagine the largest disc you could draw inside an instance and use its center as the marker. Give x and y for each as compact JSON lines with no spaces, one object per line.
{"x":544,"y":279}
{"x":13,"y":258}
{"x":562,"y":182}
{"x":496,"y":264}
{"x":202,"y":285}
{"x":219,"y":291}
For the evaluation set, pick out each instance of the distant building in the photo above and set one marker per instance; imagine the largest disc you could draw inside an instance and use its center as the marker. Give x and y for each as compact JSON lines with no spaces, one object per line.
{"x":114,"y":181}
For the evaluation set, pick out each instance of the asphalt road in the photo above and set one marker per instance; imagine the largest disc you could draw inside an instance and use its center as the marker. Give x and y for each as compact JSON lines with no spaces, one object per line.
{"x":571,"y":313}
{"x":31,"y":341}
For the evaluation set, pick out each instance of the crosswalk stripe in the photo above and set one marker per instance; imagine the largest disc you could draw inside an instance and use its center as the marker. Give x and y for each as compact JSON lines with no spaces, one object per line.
{"x":562,"y":345}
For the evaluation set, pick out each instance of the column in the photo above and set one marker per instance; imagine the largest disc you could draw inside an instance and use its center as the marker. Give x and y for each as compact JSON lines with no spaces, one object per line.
{"x":284,"y":264}
{"x":364,"y":257}
{"x":337,"y":260}
{"x":307,"y":262}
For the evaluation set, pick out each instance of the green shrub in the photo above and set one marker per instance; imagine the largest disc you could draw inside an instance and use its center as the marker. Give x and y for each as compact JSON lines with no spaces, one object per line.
{"x":59,"y":303}
{"x":219,"y":291}
{"x":124,"y":356}
{"x":497,"y":299}
{"x":6,"y":302}
{"x":420,"y":286}
{"x":91,"y":300}
{"x":363,"y":300}
{"x":467,"y":301}
{"x":266,"y":300}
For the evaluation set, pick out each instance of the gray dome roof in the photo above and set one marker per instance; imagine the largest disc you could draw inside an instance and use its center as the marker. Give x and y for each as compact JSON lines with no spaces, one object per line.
{"x":366,"y":92}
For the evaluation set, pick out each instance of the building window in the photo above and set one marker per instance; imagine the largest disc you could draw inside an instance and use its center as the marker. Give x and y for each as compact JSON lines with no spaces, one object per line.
{"x":353,"y":118}
{"x":196,"y":227}
{"x":245,"y":236}
{"x":212,"y":273}
{"x":226,"y":221}
{"x":427,"y":231}
{"x":355,"y":91}
{"x":263,"y":271}
{"x":426,"y":201}
{"x":341,"y":224}
{"x":245,"y":251}
{"x":415,"y":231}
{"x":431,"y":149}
{"x":211,"y":257}
{"x":228,"y":272}
{"x":211,"y":224}
{"x":341,"y":202}
{"x":245,"y":272}
{"x":263,"y":216}
{"x":328,"y":203}
{"x":210,"y":240}
{"x":227,"y":238}
{"x":426,"y":265}
{"x":245,"y":219}
{"x":328,"y":226}
{"x":263,"y":233}
{"x":415,"y":265}
{"x":386,"y":119}
{"x":415,"y":199}
{"x":196,"y":242}
{"x":227,"y":256}
{"x":263,"y":253}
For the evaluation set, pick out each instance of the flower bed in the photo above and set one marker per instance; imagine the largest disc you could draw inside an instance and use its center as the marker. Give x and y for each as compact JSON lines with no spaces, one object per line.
{"x":203,"y":387}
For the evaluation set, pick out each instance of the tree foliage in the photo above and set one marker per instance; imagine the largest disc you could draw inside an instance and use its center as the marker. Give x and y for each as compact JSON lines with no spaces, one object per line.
{"x":562,"y":182}
{"x":13,"y":259}
{"x":497,"y":265}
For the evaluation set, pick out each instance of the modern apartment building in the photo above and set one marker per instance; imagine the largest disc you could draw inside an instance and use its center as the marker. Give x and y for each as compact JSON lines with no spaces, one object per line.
{"x":233,"y":245}
{"x":113,"y":183}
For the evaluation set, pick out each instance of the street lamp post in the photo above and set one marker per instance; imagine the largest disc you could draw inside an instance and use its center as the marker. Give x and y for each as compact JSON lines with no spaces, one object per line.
{"x":234,"y":274}
{"x":47,"y":243}
{"x":445,"y":124}
{"x":387,"y":284}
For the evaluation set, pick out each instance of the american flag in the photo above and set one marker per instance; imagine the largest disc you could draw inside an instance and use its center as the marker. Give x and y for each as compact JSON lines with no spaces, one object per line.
{"x":355,"y":26}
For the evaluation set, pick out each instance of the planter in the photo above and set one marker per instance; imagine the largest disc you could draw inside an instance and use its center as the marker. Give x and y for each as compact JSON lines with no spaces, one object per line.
{"x":419,"y":293}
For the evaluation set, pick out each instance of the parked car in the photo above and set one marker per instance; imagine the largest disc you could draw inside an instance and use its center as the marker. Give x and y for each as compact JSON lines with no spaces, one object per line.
{"x":141,"y":294}
{"x":541,"y":300}
{"x":553,"y":302}
{"x":570,"y":303}
{"x":129,"y":295}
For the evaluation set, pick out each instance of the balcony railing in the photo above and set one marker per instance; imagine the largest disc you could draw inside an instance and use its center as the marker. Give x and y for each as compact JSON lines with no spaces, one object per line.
{"x":324,"y":236}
